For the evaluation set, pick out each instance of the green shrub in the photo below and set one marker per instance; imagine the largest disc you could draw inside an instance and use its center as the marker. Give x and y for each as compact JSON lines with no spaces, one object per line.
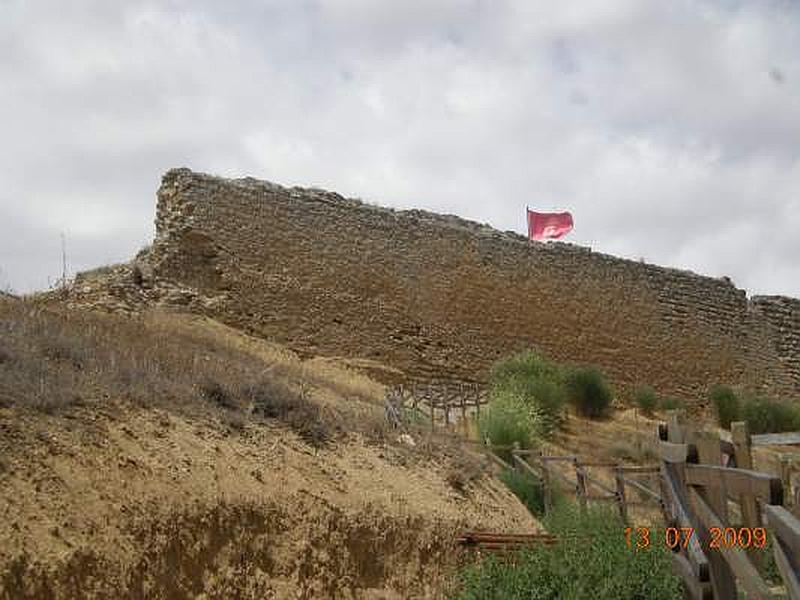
{"x":527,"y":488}
{"x":595,"y":563}
{"x":770,"y":416}
{"x":726,"y":404}
{"x":588,"y":392}
{"x":537,"y":382}
{"x":509,"y":419}
{"x":670,"y":403}
{"x":525,"y":366}
{"x":646,"y":399}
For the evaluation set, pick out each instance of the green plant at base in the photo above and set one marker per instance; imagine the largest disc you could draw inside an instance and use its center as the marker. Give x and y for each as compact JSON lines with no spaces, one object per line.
{"x":508,"y":419}
{"x":527,"y":488}
{"x":537,"y":382}
{"x":671,"y":403}
{"x":591,"y":560}
{"x":646,"y":399}
{"x":726,"y":404}
{"x":588,"y":392}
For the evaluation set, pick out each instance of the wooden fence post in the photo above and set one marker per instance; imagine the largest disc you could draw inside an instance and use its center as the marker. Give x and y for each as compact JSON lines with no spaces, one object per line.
{"x":432,"y":405}
{"x":621,"y":500}
{"x":547,"y":485}
{"x":580,"y":487}
{"x":786,"y":477}
{"x":722,"y":579}
{"x":751,"y":515}
{"x":446,"y":401}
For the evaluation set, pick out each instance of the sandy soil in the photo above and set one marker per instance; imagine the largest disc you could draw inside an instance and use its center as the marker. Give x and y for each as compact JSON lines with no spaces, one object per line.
{"x":107,"y":499}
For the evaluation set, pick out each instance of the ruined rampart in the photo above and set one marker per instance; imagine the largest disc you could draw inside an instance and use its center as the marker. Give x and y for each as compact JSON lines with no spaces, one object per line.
{"x":437,"y":295}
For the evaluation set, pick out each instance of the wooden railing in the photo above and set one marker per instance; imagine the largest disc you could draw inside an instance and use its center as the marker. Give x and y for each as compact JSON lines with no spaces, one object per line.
{"x":589,"y":481}
{"x":439,"y":403}
{"x":725,"y":513}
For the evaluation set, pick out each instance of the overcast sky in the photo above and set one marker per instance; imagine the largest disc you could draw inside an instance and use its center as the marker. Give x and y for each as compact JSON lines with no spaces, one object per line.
{"x":670,"y":129}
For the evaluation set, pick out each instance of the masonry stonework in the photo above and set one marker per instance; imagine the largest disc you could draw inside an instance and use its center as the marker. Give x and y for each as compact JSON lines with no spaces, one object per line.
{"x":441,"y":296}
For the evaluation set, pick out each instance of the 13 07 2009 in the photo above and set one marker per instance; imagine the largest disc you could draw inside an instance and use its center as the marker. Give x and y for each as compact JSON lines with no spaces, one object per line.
{"x":716,"y":538}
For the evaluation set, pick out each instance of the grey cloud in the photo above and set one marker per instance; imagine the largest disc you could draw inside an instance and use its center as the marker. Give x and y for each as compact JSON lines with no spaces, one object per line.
{"x":653,"y":122}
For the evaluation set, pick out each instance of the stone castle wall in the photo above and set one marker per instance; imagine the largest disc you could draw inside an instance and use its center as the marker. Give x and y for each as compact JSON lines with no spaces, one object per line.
{"x":437,"y":295}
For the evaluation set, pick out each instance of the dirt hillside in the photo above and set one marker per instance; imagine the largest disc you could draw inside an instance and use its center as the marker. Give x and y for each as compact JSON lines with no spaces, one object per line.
{"x":169,"y":457}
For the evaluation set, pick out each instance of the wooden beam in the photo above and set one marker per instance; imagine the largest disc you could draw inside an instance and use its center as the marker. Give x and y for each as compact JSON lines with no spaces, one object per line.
{"x":638,"y":469}
{"x":736,"y":482}
{"x":677,"y":512}
{"x":786,"y":527}
{"x":643,"y":488}
{"x":571,"y":459}
{"x":622,"y":504}
{"x":499,"y":461}
{"x":677,"y":453}
{"x":789,"y":570}
{"x":722,"y":575}
{"x":743,"y":454}
{"x":734,"y":557}
{"x":776,"y":439}
{"x":697,"y":590}
{"x":525,"y":466}
{"x":599,"y":484}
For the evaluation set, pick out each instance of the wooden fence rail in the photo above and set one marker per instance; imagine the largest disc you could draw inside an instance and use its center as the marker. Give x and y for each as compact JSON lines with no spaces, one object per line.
{"x":707,"y":490}
{"x":725,"y":554}
{"x":446,"y":400}
{"x":578,"y":478}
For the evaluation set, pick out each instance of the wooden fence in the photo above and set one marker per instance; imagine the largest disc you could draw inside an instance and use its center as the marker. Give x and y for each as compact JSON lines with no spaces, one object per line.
{"x":721,"y":517}
{"x":439,"y":403}
{"x":589,"y":481}
{"x":724,"y":514}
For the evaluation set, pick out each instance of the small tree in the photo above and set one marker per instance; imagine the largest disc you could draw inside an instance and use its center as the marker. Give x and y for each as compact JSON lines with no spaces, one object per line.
{"x":535,"y":381}
{"x":646,"y":399}
{"x":726,"y":404}
{"x":588,"y":392}
{"x":507,"y":420}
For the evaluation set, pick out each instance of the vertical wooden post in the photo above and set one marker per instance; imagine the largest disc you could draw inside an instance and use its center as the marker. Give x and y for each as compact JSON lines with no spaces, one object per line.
{"x":514,"y":453}
{"x":463,"y":402}
{"x":448,"y":396}
{"x":619,"y":476}
{"x":546,"y":488}
{"x":751,"y":515}
{"x":676,"y":426}
{"x":580,"y":479}
{"x":432,"y":404}
{"x":722,"y":578}
{"x":786,"y":477}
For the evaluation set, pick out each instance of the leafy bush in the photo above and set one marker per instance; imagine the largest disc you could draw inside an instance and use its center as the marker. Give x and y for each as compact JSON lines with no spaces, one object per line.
{"x":535,"y":381}
{"x":646,"y":399}
{"x":525,"y":366}
{"x":588,"y":392}
{"x":592,"y":561}
{"x":726,"y":404}
{"x":670,"y":403}
{"x":507,"y":420}
{"x":527,"y":488}
{"x":770,"y":416}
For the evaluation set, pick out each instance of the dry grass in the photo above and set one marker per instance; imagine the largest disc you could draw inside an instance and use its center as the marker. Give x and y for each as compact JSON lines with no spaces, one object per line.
{"x":51,"y":360}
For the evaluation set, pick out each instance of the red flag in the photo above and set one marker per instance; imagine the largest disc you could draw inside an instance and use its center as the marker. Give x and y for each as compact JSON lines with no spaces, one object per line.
{"x":542,"y":226}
